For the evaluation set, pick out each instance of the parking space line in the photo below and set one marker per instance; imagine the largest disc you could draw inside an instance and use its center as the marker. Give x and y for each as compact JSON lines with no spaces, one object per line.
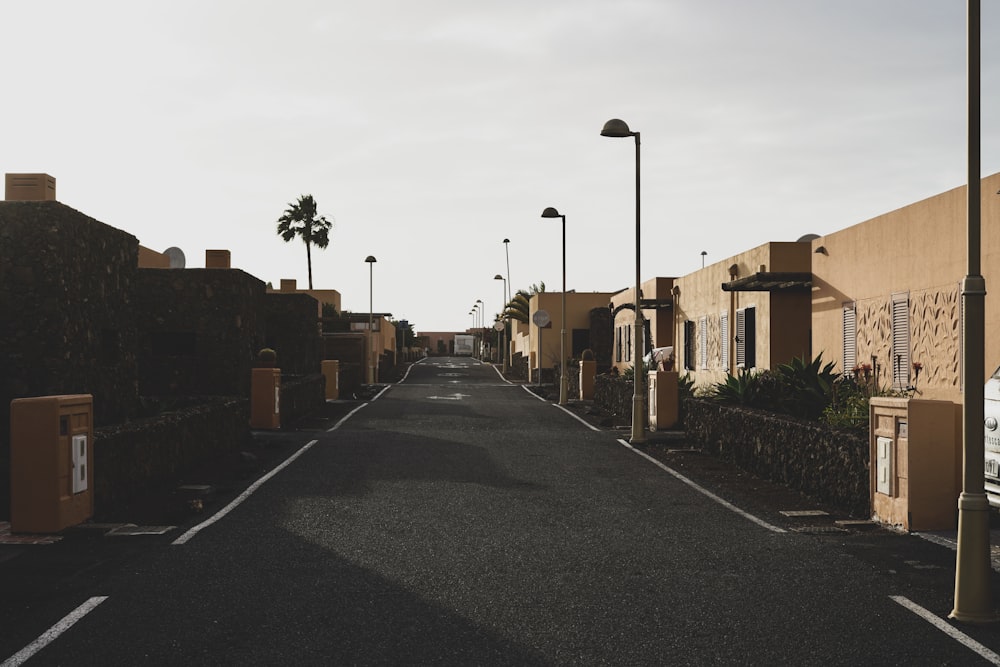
{"x":53,"y":633}
{"x":953,"y":632}
{"x":697,"y":487}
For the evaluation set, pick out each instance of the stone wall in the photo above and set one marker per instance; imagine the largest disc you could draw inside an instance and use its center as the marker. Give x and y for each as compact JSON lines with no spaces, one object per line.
{"x":829,"y":465}
{"x":602,"y":334}
{"x":134,"y":458}
{"x":199,"y":331}
{"x":300,"y":396}
{"x":292,"y":331}
{"x":66,"y":314}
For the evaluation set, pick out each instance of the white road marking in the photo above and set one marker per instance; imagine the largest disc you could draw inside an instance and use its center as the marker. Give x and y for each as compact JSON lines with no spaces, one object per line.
{"x":697,"y":487}
{"x":531,"y":393}
{"x":953,"y":632}
{"x":53,"y":633}
{"x":450,"y":397}
{"x":501,"y":375}
{"x":183,"y":539}
{"x":577,"y":417}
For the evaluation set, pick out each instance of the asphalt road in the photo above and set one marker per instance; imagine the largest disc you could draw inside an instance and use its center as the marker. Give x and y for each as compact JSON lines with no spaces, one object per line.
{"x":459,"y":520}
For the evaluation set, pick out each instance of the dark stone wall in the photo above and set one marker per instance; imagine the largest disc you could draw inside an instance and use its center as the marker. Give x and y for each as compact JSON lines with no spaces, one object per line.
{"x":293,"y":331}
{"x":830,"y":465}
{"x":199,"y":331}
{"x":349,"y":350}
{"x":602,"y":337}
{"x":66,"y":310}
{"x":300,"y":396}
{"x":66,"y":314}
{"x":132,"y":459}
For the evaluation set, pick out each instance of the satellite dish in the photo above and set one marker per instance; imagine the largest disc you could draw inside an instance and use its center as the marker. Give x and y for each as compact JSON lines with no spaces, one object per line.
{"x":176,"y":257}
{"x":541,"y":318}
{"x":807,"y":238}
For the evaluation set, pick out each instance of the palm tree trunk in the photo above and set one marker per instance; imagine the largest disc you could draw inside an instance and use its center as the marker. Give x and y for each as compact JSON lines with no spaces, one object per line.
{"x":309,"y":262}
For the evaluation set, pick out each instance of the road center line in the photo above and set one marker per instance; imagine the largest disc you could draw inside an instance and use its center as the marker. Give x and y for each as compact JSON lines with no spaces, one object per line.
{"x":53,"y":633}
{"x":697,"y":487}
{"x":956,"y":634}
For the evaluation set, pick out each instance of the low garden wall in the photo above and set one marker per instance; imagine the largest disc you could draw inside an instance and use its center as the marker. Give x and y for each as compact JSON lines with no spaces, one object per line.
{"x":300,"y":396}
{"x":826,"y":464}
{"x":134,"y":457}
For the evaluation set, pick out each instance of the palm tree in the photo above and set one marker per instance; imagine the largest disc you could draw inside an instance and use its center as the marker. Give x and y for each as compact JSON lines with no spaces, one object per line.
{"x":518,"y":307}
{"x":300,"y":219}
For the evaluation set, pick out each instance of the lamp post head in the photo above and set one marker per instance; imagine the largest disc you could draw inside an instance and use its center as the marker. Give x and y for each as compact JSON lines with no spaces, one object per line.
{"x":498,"y":277}
{"x":616,"y":128}
{"x":506,"y":240}
{"x":370,"y":259}
{"x":551,"y":213}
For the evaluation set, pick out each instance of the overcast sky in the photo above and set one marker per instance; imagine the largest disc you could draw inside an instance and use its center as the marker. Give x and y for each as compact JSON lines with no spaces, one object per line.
{"x":430,"y":131}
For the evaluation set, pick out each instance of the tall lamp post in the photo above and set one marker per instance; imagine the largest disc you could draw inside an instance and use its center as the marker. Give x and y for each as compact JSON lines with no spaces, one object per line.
{"x":973,"y":591}
{"x":475,"y":323}
{"x":563,"y":377}
{"x":506,"y":250}
{"x":619,"y":128}
{"x":371,"y":368}
{"x":503,"y":320}
{"x":480,"y":309}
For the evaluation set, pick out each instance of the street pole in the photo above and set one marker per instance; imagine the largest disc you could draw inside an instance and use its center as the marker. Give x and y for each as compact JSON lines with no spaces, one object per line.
{"x":618,"y":128}
{"x":371,"y":369}
{"x":973,"y":589}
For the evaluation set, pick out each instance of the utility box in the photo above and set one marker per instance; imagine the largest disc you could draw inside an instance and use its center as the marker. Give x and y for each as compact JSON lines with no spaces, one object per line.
{"x":913,"y":454}
{"x":331,"y":372}
{"x":265,"y":398}
{"x":51,"y":462}
{"x":663,"y":399}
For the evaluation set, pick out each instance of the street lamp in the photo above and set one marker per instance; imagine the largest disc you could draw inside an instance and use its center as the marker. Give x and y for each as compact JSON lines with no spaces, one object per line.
{"x":481,"y":309}
{"x":506,"y":249}
{"x":371,"y":368}
{"x":503,"y":320}
{"x":619,"y":128}
{"x":475,"y":325}
{"x":563,"y":377}
{"x":973,"y":591}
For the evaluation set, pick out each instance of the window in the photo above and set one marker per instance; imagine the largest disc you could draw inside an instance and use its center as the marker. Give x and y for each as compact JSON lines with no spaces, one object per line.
{"x":689,"y":345}
{"x":746,"y":339}
{"x":628,"y":343}
{"x":703,"y":343}
{"x":850,"y":329}
{"x":724,"y":340}
{"x":900,"y":340}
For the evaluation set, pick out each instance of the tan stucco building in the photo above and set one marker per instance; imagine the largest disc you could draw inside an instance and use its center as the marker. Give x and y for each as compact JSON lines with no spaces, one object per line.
{"x":747,"y":311}
{"x":656,"y":302}
{"x":578,"y":307}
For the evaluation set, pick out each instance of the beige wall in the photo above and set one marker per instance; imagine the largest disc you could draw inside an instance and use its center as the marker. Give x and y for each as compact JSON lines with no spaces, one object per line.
{"x":150,"y":259}
{"x":781,"y":317}
{"x":331,"y":296}
{"x":578,"y":307}
{"x":661,"y":326}
{"x":919,"y":250}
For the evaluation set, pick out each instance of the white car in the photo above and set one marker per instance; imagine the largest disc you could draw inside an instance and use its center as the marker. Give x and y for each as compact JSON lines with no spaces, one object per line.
{"x":991,"y":437}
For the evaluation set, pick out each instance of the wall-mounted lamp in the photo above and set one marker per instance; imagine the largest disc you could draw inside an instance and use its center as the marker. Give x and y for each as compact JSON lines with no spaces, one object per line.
{"x":734,"y":271}
{"x":821,"y":250}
